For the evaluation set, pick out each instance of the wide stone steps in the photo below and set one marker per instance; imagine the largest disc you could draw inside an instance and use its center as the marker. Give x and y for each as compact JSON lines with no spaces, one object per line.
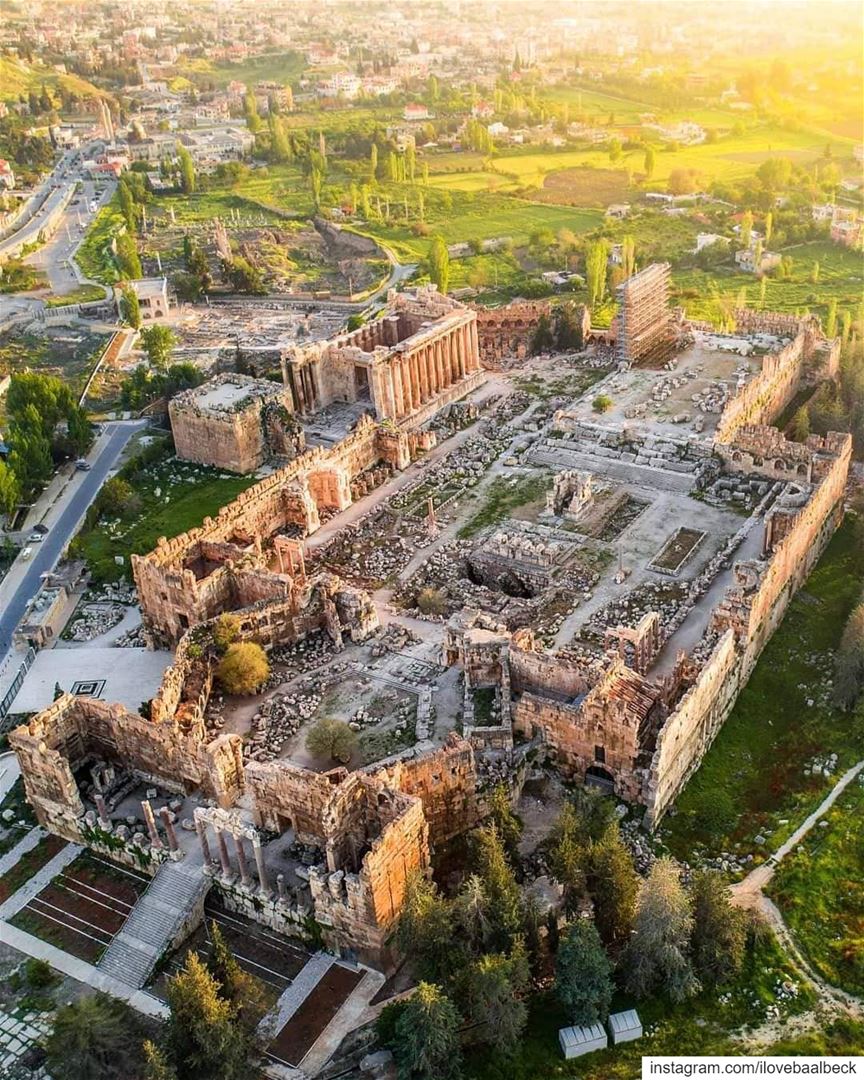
{"x":153,"y":923}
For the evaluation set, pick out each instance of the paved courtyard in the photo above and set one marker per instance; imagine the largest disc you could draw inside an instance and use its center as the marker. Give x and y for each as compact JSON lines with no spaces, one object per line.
{"x":129,"y":676}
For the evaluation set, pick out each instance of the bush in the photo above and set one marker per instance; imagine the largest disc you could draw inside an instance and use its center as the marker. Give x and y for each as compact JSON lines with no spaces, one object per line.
{"x":602,"y":403}
{"x":431,"y":601}
{"x":39,"y":974}
{"x":243,"y":668}
{"x":225,"y":631}
{"x":332,"y":738}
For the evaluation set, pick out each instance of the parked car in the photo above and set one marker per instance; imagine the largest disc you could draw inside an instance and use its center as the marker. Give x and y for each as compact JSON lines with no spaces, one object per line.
{"x":82,"y":464}
{"x":35,"y":538}
{"x":26,"y":553}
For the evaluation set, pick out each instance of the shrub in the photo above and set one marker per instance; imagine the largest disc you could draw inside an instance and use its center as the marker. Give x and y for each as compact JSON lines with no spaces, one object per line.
{"x":332,"y":738}
{"x":602,"y":403}
{"x":243,"y":668}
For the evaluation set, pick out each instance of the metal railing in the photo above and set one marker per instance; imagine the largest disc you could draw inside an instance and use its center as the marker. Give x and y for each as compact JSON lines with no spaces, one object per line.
{"x":12,"y":692}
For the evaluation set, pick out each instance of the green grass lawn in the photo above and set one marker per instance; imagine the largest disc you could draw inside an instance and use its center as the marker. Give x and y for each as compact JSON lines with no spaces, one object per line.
{"x":702,"y":1025}
{"x":82,"y":295}
{"x":820,"y":890}
{"x":504,"y":495}
{"x":280,"y":67}
{"x":753,"y":777}
{"x":188,"y":494}
{"x":94,"y":255}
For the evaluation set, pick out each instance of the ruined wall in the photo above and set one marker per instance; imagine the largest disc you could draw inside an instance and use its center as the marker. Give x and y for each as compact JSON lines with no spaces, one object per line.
{"x":506,"y":332}
{"x":288,"y":796}
{"x":541,"y":671}
{"x":808,"y":357}
{"x":445,"y":781}
{"x":690,"y":729}
{"x":234,"y":442}
{"x":56,"y":741}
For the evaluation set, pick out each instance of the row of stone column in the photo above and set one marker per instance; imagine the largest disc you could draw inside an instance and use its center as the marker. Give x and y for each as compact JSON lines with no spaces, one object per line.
{"x":242,"y":861}
{"x":414,"y":378}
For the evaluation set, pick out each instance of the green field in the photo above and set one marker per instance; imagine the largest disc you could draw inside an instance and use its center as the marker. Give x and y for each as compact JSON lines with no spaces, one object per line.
{"x":94,"y":255}
{"x":820,"y":890}
{"x":19,"y":77}
{"x":753,"y":777}
{"x":281,"y":67}
{"x":840,"y":278}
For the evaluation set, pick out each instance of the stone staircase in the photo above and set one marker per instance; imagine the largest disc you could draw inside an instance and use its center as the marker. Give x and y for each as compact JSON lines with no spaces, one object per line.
{"x":153,"y":923}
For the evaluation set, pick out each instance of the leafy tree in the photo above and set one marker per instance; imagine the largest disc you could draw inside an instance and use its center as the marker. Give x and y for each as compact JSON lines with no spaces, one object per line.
{"x":775,"y":174}
{"x":493,"y":989}
{"x":439,"y":264}
{"x":127,"y":205}
{"x":94,"y":1038}
{"x":505,"y":821}
{"x":225,"y":630}
{"x":130,"y":307}
{"x":203,"y":1039}
{"x":683,"y":181}
{"x":10,"y":490}
{"x":615,"y":152}
{"x":831,"y":319}
{"x":628,"y":256}
{"x":243,"y":668}
{"x":425,"y":931}
{"x":188,"y":179}
{"x":499,"y":885}
{"x":746,"y":229}
{"x":769,"y":226}
{"x":250,"y":108}
{"x":243,"y":277}
{"x":719,"y":931}
{"x":128,"y":262}
{"x":158,"y":341}
{"x":649,"y":162}
{"x":596,"y":259}
{"x":612,"y":885}
{"x":542,"y":340}
{"x":427,"y":1037}
{"x":280,"y":147}
{"x":657,"y":956}
{"x":332,"y":738}
{"x":583,"y":974}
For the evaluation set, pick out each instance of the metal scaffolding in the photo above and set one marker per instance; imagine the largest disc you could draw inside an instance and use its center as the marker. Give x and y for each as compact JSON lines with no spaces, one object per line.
{"x":646,"y":335}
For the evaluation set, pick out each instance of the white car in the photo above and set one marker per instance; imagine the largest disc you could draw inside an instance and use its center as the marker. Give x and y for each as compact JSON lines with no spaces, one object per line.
{"x":26,"y":553}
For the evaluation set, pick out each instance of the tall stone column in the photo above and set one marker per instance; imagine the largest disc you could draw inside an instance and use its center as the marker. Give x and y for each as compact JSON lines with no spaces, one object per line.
{"x":423,"y":382}
{"x":224,"y":857}
{"x":415,"y":382}
{"x":102,"y":810}
{"x":245,"y":876}
{"x":201,"y":829}
{"x":258,"y":851}
{"x":150,"y":822}
{"x":168,"y":824}
{"x":398,"y":400}
{"x":451,"y":356}
{"x":443,"y":374}
{"x":432,"y":369}
{"x":475,"y":347}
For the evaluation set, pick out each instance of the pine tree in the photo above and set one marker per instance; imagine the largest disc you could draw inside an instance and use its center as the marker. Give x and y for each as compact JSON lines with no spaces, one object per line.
{"x":425,"y":931}
{"x":801,"y":424}
{"x":831,"y":319}
{"x":130,"y":308}
{"x":499,"y":885}
{"x":583,"y":974}
{"x":493,"y":989}
{"x":657,"y":956}
{"x":649,"y":162}
{"x":612,"y":885}
{"x":236,"y":986}
{"x":156,"y":1066}
{"x":596,"y":260}
{"x":94,"y":1038}
{"x":505,"y":821}
{"x":719,"y":932}
{"x":203,"y":1038}
{"x":427,"y":1037}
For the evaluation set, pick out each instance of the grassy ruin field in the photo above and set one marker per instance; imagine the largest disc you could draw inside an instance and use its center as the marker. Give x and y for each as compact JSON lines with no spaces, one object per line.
{"x":820,"y":890}
{"x":756,"y":779}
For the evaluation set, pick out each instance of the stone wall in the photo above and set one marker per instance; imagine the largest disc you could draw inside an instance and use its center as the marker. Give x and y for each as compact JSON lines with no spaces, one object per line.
{"x":808,"y":357}
{"x":505,"y":333}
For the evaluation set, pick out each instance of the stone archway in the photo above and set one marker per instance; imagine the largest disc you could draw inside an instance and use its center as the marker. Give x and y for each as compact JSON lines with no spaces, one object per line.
{"x":600,"y":778}
{"x":330,"y":488}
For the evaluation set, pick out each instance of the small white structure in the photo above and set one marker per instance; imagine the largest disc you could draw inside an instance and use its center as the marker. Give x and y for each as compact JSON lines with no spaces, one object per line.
{"x":624,"y":1026}
{"x":576,"y":1041}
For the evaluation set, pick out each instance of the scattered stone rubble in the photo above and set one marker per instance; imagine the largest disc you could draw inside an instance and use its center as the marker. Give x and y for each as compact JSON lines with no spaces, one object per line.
{"x":93,"y":620}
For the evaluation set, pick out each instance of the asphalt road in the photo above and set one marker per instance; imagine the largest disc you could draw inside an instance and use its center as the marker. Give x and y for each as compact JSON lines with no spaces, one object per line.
{"x":46,"y":554}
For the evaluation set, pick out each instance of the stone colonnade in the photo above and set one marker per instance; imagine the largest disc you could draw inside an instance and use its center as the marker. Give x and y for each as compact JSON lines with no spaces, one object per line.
{"x":224,"y":824}
{"x":413,"y":375}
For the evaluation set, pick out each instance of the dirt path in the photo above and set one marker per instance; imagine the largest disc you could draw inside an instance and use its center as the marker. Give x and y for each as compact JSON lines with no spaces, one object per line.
{"x":749,"y":893}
